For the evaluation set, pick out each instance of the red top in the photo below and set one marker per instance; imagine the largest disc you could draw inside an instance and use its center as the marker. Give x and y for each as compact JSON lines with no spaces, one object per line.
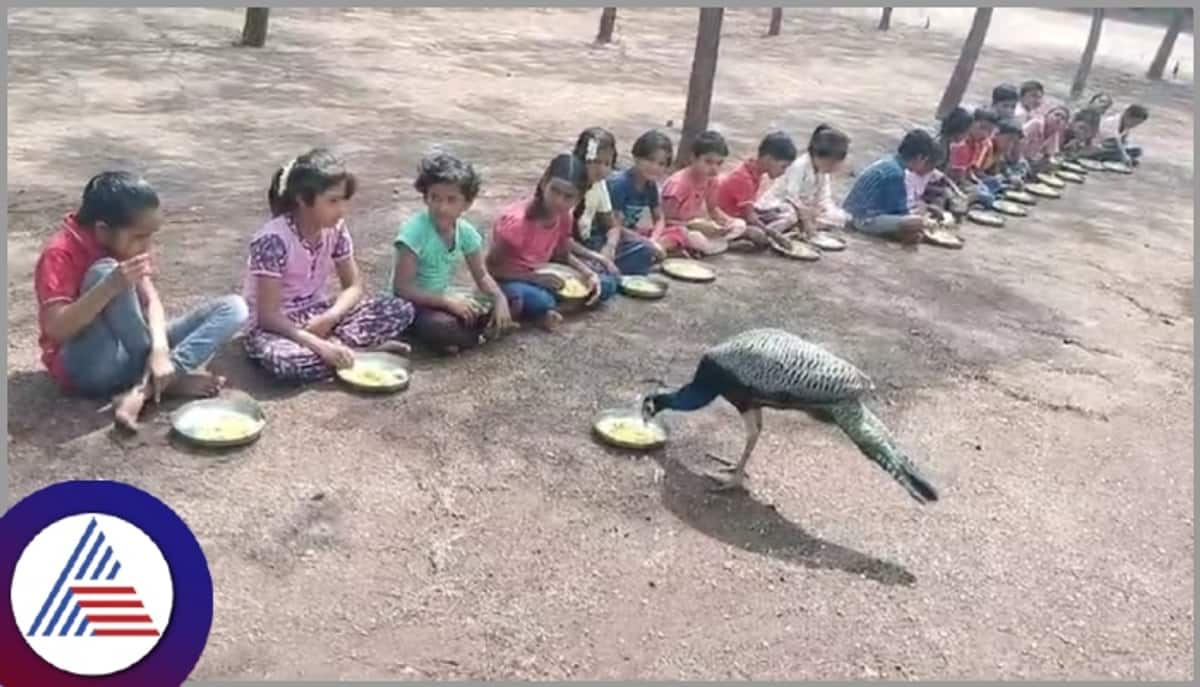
{"x":970,"y":154}
{"x":738,"y":190}
{"x":58,"y":278}
{"x":529,"y":244}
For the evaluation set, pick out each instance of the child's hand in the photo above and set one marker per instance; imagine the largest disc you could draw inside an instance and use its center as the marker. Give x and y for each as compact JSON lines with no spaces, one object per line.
{"x":593,"y":282}
{"x":501,"y":318}
{"x":462,"y":309}
{"x":320,"y":326}
{"x":336,"y":355}
{"x":609,"y":266}
{"x":162,"y":371}
{"x":130,"y":272}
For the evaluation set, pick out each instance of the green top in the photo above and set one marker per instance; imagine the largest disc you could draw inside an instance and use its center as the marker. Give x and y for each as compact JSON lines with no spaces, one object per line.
{"x":436,"y":263}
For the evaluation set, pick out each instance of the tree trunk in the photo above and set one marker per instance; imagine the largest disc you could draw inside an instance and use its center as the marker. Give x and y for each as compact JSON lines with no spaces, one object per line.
{"x":254,"y":33}
{"x":966,"y":62}
{"x":885,"y":20}
{"x":608,"y":21}
{"x":1159,"y":65}
{"x":1089,"y":53}
{"x":776,"y":21}
{"x":700,"y":85}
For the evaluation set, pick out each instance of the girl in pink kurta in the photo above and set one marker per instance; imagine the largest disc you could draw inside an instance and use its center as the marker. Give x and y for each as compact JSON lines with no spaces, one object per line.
{"x":1042,"y":136}
{"x":299,"y":331}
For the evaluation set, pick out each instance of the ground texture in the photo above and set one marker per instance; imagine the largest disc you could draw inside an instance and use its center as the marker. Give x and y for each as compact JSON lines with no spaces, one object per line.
{"x":470,"y":527}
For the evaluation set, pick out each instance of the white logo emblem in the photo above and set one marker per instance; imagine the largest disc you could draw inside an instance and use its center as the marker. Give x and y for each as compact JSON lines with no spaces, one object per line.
{"x":92,"y":594}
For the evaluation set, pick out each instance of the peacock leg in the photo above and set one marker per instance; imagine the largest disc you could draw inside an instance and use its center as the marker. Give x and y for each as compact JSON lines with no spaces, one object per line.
{"x":732,"y":477}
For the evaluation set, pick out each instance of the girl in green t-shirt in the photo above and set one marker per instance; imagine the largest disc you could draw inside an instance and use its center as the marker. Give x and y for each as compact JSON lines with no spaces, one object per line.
{"x":429,"y":248}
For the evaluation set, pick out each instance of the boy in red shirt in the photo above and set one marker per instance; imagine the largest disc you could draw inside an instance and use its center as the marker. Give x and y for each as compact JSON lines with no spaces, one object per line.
{"x":970,"y":157}
{"x":738,"y":190}
{"x":102,"y":327}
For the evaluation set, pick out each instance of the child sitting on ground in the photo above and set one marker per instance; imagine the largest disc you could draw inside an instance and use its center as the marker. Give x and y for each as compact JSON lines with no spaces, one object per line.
{"x":599,"y":237}
{"x":1078,"y":141}
{"x":878,"y":203}
{"x":1033,"y":95}
{"x":429,"y":248}
{"x":969,"y":156}
{"x":102,"y":326}
{"x":634,"y":194}
{"x":1113,"y":135}
{"x":1042,"y":137}
{"x":689,"y":196}
{"x":299,"y":333}
{"x":804,"y":194}
{"x":738,"y":190}
{"x":1005,"y":101}
{"x":531,"y":233}
{"x":1005,"y":167}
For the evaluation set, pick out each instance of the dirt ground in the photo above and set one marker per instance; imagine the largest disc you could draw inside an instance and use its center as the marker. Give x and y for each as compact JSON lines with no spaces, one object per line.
{"x":471,"y":529}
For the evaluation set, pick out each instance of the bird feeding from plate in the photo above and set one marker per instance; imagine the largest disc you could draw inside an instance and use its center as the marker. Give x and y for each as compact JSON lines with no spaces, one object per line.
{"x":628,"y":429}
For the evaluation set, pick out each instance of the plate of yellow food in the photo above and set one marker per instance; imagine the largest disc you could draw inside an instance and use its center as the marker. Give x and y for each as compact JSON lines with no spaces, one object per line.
{"x":688,"y":270}
{"x":1042,"y":190}
{"x":791,"y":248}
{"x":482,"y":302}
{"x":1022,"y":197}
{"x":377,"y":372}
{"x":985,"y":217}
{"x":1118,"y":167}
{"x":1073,"y":167}
{"x":1073,"y":177}
{"x":220,"y":422}
{"x":1051,"y":180}
{"x":1091,"y":165}
{"x":827,"y":241}
{"x":638,"y":286}
{"x":625,"y":428}
{"x":942,"y":238}
{"x":574,"y":288}
{"x":1008,"y":207}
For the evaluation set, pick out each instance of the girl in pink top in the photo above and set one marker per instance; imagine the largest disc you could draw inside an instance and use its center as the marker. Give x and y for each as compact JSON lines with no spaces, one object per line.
{"x":532,"y":233}
{"x":1043,"y":136}
{"x":299,"y":332}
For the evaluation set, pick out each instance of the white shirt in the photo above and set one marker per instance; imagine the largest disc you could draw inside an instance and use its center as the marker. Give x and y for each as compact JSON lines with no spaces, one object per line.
{"x":803,"y":185}
{"x":1110,"y":128}
{"x":596,"y":201}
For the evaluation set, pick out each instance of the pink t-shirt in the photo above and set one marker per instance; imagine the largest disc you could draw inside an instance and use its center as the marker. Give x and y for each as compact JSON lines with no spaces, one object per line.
{"x":302,"y":268}
{"x":684,"y":197}
{"x":737,"y":191}
{"x":529,"y":244}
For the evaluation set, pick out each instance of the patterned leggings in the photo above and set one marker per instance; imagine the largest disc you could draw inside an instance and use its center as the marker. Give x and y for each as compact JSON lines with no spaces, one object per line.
{"x":372,"y":322}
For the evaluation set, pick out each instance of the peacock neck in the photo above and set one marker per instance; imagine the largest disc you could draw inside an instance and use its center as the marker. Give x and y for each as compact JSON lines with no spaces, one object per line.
{"x":693,"y":396}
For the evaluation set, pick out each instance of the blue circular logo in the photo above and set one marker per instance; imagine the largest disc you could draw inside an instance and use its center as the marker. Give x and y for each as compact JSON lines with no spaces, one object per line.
{"x":107,"y":586}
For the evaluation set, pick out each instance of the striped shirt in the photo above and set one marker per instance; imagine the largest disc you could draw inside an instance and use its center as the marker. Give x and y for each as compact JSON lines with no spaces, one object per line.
{"x":879,"y":190}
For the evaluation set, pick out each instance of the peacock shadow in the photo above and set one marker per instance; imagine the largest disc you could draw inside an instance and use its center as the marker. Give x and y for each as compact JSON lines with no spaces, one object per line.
{"x":738,"y":519}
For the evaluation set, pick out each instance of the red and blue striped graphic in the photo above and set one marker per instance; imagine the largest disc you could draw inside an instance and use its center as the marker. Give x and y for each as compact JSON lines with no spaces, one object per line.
{"x":96,"y":600}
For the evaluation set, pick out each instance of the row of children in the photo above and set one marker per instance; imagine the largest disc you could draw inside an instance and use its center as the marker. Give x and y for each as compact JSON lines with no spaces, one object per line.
{"x":979,"y":153}
{"x":103,"y":329}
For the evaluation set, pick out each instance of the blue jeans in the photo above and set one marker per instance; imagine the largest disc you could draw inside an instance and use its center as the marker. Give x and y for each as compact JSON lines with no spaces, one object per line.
{"x":531,"y":302}
{"x":110,"y":354}
{"x":633,"y":256}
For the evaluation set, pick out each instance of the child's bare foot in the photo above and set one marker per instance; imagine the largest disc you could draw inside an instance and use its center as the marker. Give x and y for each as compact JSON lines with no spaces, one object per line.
{"x":127,"y":407}
{"x":397,"y":347}
{"x":550,"y":320}
{"x":195,"y":385}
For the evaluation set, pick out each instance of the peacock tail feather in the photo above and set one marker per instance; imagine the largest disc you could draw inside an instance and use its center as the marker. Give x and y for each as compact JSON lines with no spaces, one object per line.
{"x":875,"y":441}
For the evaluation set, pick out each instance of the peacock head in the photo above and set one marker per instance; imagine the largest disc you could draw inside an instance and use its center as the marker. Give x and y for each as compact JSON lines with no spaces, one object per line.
{"x":653,"y":404}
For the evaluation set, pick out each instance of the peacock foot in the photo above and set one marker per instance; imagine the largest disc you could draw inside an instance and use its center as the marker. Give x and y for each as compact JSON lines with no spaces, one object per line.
{"x":727,"y":479}
{"x":719,"y":459}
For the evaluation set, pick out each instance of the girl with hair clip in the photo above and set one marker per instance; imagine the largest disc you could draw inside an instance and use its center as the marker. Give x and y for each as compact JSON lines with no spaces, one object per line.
{"x":599,"y":237}
{"x":804,"y":194}
{"x":533,"y":232}
{"x":299,"y":332}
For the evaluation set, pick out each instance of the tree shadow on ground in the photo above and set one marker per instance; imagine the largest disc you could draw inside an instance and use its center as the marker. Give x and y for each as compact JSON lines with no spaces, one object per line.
{"x":738,"y":519}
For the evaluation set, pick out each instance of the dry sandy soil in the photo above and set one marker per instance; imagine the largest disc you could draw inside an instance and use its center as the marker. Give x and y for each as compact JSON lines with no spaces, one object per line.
{"x":470,"y":528}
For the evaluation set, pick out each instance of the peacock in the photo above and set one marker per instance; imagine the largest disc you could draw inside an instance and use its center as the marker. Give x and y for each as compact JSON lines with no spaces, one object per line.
{"x":772,"y":368}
